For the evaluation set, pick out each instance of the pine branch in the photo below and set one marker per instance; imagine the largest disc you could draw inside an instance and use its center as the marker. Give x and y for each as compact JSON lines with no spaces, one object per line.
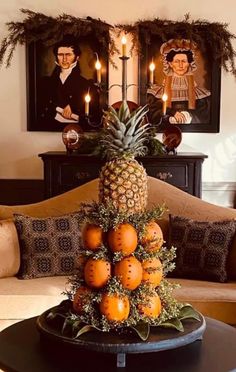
{"x":213,"y":38}
{"x":49,"y":30}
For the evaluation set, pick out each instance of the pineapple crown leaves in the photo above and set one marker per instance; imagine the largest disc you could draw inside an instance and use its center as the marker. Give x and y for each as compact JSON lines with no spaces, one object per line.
{"x":124,"y":111}
{"x":125,"y":133}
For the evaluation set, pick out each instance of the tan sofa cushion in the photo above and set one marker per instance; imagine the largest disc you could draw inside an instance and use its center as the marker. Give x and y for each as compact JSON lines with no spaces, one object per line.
{"x":9,"y":249}
{"x":21,"y":299}
{"x":216,"y":300}
{"x":56,"y":206}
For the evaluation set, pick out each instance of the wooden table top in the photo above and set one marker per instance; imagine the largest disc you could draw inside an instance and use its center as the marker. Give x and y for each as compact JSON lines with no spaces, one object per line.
{"x":22,"y":351}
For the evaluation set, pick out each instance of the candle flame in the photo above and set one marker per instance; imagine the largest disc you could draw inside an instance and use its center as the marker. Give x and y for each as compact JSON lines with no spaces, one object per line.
{"x":123,"y":40}
{"x":164,"y":97}
{"x":152,"y":66}
{"x":87,"y":98}
{"x":98,"y":65}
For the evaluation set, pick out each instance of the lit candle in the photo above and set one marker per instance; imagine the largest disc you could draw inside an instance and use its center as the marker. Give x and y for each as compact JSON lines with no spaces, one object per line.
{"x":152,"y":68}
{"x":123,"y":41}
{"x":164,"y":99}
{"x":98,"y":67}
{"x":87,"y":100}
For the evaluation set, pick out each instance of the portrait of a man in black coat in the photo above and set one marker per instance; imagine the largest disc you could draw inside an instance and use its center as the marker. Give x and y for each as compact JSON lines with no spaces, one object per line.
{"x":62,"y":94}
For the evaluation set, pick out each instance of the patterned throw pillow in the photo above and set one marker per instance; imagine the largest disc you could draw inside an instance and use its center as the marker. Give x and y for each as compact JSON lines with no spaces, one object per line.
{"x":48,"y":246}
{"x":202,"y":248}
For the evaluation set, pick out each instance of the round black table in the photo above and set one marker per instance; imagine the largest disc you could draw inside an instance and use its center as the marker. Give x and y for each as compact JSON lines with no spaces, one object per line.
{"x":22,"y":351}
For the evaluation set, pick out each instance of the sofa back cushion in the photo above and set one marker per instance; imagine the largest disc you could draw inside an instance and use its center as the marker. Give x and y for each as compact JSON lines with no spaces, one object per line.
{"x":202,"y":248}
{"x":48,"y":246}
{"x":59,"y":205}
{"x":9,"y":249}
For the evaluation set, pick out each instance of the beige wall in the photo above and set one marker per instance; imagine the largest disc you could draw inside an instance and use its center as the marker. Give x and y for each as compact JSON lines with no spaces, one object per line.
{"x":19,"y":148}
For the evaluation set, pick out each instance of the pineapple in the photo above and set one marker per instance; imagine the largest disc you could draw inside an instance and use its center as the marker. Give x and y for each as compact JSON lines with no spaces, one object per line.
{"x":123,"y":181}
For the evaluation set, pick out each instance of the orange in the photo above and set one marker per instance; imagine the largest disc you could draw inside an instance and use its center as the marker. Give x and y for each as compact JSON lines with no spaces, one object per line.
{"x":152,"y":271}
{"x":123,"y":238}
{"x":92,"y":236}
{"x":80,"y":261}
{"x":97,"y":272}
{"x":81,"y":298}
{"x":114,"y":307}
{"x":130,"y":272}
{"x":153,"y":237}
{"x":153,"y":307}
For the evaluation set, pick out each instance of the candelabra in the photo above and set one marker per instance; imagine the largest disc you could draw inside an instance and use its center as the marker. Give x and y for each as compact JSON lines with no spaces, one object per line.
{"x":124,"y":86}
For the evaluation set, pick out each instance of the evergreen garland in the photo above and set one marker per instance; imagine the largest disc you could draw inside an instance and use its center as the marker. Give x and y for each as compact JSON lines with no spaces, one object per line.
{"x":213,"y":38}
{"x":49,"y":30}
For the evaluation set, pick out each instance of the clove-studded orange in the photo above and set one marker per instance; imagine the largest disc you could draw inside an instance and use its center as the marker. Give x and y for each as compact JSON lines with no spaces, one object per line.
{"x":152,"y":271}
{"x":114,"y":307}
{"x":151,"y":307}
{"x":153,"y":237}
{"x":97,"y":272}
{"x":130,"y":272}
{"x":123,"y":238}
{"x":92,"y":236}
{"x":81,"y":298}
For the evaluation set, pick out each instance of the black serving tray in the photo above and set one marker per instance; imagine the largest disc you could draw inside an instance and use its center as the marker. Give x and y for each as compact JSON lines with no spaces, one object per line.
{"x":121,"y":344}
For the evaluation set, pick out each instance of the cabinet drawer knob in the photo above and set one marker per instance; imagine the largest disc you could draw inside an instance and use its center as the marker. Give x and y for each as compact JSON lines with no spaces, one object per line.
{"x":82,"y":175}
{"x":164,"y":175}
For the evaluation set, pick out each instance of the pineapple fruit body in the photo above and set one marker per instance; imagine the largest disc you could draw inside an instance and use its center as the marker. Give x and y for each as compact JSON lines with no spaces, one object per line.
{"x":123,"y":181}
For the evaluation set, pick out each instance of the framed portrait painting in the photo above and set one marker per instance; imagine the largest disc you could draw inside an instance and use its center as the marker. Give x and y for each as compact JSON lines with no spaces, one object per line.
{"x":63,"y":85}
{"x":180,"y":84}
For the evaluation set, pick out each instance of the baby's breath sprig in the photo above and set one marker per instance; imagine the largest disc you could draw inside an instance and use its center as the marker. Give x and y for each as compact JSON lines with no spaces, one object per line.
{"x":142,"y":254}
{"x":114,"y":287}
{"x":167,"y":256}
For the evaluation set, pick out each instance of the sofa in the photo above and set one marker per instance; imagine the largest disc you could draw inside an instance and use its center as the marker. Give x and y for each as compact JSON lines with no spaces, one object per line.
{"x":20,"y":299}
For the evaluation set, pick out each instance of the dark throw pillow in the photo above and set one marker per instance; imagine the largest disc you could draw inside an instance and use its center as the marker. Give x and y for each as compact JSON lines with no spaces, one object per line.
{"x":202,"y":248}
{"x":48,"y":246}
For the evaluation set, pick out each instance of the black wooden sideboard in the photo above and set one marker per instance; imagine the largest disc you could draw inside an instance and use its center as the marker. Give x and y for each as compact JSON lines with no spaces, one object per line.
{"x":63,"y":171}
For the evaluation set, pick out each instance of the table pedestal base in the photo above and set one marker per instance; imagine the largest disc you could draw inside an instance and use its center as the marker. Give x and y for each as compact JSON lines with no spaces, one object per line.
{"x":121,"y":360}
